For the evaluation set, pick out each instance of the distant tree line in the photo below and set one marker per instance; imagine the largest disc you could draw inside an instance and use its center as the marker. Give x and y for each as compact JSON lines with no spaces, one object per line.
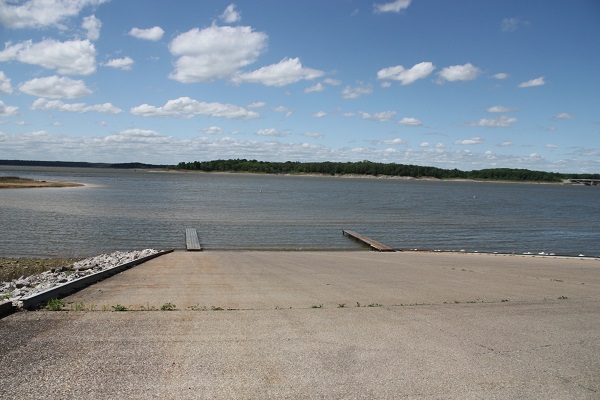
{"x":375,"y":169}
{"x":327,"y":168}
{"x":78,"y":164}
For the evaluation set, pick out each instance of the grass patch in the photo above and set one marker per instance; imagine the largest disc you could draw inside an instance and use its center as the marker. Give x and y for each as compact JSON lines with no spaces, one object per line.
{"x":55,"y":305}
{"x":119,"y":307}
{"x":317,"y":306}
{"x":13,"y":268}
{"x":167,"y":307}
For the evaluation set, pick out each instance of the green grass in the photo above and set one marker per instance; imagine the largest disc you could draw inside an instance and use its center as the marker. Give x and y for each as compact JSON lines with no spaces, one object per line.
{"x":167,"y":307}
{"x":55,"y":305}
{"x":119,"y":307}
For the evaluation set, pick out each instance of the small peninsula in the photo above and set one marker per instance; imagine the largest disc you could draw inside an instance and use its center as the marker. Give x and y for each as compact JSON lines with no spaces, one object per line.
{"x":14,"y":182}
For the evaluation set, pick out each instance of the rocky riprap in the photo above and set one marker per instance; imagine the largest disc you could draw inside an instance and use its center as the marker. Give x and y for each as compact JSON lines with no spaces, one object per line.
{"x":22,"y":287}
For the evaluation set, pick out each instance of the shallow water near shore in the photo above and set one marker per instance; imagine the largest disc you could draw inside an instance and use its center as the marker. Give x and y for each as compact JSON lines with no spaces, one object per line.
{"x":134,"y":209}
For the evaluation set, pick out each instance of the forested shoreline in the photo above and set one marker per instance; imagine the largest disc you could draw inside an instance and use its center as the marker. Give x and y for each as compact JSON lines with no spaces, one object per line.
{"x":366,"y":168}
{"x":376,"y":169}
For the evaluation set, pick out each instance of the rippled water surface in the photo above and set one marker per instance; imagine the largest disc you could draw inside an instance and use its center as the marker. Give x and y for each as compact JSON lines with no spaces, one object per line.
{"x":124,"y":210}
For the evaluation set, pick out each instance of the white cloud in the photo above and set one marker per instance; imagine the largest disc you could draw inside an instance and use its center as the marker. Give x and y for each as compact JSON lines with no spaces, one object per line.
{"x":501,"y":75}
{"x":257,"y":104}
{"x":217,"y":52}
{"x":230,"y":15}
{"x":124,"y":63}
{"x":511,"y":24}
{"x":350,"y":92}
{"x":92,"y":25}
{"x":502,"y":121}
{"x":319,"y":114}
{"x":137,"y":136}
{"x":410,"y":121}
{"x":505,"y":144}
{"x":54,"y":87}
{"x":394,"y":142}
{"x":500,"y":109}
{"x":474,"y":140}
{"x":313,"y":135}
{"x":187,"y":107}
{"x":564,"y":116}
{"x":283,"y":110}
{"x":394,"y":6}
{"x":155,"y":33}
{"x":382,"y":116}
{"x":41,"y":13}
{"x":534,"y":82}
{"x":316,"y":88}
{"x":271,"y":132}
{"x":8,"y":111}
{"x":287,"y":71}
{"x":5,"y":86}
{"x":213,"y":130}
{"x":406,"y":76}
{"x":551,"y":146}
{"x":57,"y":105}
{"x":466,"y":72}
{"x":332,"y":82}
{"x":424,"y":144}
{"x":71,"y":57}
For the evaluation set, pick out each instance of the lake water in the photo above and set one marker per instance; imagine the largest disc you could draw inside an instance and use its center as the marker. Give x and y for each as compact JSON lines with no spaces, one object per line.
{"x":127,"y":210}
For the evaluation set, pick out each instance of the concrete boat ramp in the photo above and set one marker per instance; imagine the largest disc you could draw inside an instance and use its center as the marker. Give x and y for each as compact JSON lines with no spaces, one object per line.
{"x":316,"y":325}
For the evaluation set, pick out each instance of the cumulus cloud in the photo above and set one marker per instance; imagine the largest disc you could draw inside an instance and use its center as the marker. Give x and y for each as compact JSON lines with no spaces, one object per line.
{"x":74,"y":57}
{"x":332,"y":82}
{"x":283,"y":110}
{"x":5,"y":86}
{"x":217,"y":52}
{"x":213,"y":130}
{"x":271,"y":132}
{"x":187,"y":107}
{"x":313,"y":135}
{"x":406,"y":76}
{"x":534,"y":82}
{"x":92,"y":25}
{"x":382,"y":116}
{"x":319,"y":114}
{"x":230,"y":15}
{"x":410,"y":121}
{"x":154,"y":34}
{"x":511,"y":24}
{"x":500,"y":75}
{"x":8,"y":111}
{"x":54,"y":87}
{"x":474,"y":140}
{"x":564,"y":116}
{"x":136,"y":136}
{"x":287,"y":71}
{"x":57,"y":105}
{"x":500,"y":109}
{"x":350,"y":92}
{"x":466,"y":72}
{"x":394,"y":142}
{"x":42,"y":13}
{"x":502,"y":121}
{"x":394,"y":6}
{"x":315,"y":88}
{"x":505,"y":144}
{"x":257,"y":104}
{"x":124,"y":63}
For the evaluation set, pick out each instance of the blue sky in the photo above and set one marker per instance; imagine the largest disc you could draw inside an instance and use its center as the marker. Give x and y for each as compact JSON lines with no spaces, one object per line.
{"x":465,"y":84}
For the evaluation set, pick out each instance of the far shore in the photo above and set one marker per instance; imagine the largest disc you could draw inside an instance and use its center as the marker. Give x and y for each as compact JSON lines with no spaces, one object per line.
{"x":13,"y":182}
{"x":359,"y":176}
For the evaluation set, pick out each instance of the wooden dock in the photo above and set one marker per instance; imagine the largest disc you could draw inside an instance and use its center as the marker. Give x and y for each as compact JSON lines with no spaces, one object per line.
{"x":191,"y":240}
{"x":374,"y":244}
